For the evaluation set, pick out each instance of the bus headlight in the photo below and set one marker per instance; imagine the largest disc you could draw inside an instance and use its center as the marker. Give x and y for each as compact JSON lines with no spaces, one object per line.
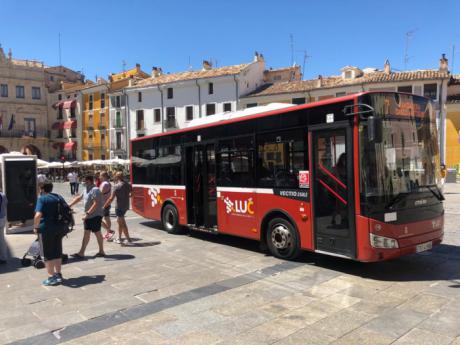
{"x":382,"y":242}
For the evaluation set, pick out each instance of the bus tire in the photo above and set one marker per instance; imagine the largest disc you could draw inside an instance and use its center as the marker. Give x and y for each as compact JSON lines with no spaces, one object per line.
{"x":170,"y":219}
{"x":282,"y":239}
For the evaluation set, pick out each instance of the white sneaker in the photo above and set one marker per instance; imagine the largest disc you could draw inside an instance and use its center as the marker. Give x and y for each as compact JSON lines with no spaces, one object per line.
{"x":118,"y":241}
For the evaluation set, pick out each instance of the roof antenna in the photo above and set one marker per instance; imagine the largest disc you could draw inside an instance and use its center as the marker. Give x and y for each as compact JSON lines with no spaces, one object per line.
{"x":409,"y":36}
{"x":59,"y":43}
{"x":291,"y":39}
{"x":305,"y":57}
{"x":123,"y":63}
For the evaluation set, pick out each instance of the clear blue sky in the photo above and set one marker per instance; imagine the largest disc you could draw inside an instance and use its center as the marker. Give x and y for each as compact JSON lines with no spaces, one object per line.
{"x":97,"y":35}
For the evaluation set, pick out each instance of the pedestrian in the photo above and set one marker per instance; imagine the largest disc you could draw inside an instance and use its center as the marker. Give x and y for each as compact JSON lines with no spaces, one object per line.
{"x":77,"y":181}
{"x":71,"y":179}
{"x":41,"y":179}
{"x":3,"y":247}
{"x":49,"y":232}
{"x":122,"y":192}
{"x":106,"y":189}
{"x":92,"y":199}
{"x":97,"y":179}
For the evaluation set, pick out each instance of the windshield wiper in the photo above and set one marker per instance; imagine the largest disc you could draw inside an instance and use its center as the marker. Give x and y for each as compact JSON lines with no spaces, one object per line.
{"x":397,"y":198}
{"x":438,"y":194}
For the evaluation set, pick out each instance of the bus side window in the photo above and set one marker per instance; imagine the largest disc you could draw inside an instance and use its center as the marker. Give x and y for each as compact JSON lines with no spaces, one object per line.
{"x":281,"y":155}
{"x":235,"y":163}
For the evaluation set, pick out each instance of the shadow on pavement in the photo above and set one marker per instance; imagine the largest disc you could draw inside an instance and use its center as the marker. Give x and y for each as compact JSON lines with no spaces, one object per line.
{"x":441,"y":263}
{"x":118,"y":257}
{"x":13,"y":264}
{"x":83,"y":281}
{"x":141,"y":244}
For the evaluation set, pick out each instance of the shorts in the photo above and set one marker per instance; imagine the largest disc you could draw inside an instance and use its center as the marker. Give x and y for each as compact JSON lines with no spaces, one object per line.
{"x":107,"y":212}
{"x":120,"y":213}
{"x":51,"y":245}
{"x":93,"y":224}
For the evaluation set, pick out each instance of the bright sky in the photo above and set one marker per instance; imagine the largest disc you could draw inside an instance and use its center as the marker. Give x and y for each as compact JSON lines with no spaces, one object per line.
{"x":97,"y":35}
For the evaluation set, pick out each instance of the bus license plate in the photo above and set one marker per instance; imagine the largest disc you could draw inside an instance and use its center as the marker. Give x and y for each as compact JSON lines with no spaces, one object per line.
{"x":424,"y":246}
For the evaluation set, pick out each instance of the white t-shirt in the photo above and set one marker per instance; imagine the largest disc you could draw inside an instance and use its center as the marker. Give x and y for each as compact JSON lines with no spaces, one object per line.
{"x":105,"y":188}
{"x":72,"y":177}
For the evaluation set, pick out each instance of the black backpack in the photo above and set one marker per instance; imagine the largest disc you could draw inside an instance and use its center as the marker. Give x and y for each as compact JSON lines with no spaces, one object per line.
{"x":64,"y":216}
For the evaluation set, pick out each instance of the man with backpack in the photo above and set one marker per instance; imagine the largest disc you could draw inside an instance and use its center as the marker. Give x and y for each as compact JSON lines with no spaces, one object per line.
{"x":92,"y":220}
{"x":51,"y":229}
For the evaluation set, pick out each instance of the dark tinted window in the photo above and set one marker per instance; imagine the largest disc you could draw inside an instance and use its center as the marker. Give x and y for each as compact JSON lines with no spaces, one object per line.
{"x":235,"y":162}
{"x":210,"y":109}
{"x":429,"y":90}
{"x":170,"y":93}
{"x":189,"y":112}
{"x":280,"y":157}
{"x":406,"y":88}
{"x":300,"y":100}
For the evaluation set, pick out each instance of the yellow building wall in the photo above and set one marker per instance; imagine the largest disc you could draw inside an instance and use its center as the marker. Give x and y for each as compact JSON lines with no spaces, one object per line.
{"x":452,"y":136}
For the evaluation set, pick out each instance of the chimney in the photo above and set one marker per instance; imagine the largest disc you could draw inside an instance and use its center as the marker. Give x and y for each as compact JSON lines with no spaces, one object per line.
{"x":10,"y":54}
{"x":138,"y":68}
{"x":156,"y":71}
{"x":387,"y":67}
{"x":207,"y":65}
{"x":130,"y":82}
{"x":320,"y":81}
{"x":258,"y":57}
{"x":443,"y":64}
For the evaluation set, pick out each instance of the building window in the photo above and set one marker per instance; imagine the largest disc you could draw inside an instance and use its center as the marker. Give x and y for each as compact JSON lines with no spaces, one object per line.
{"x":139,"y":96}
{"x":60,"y":133}
{"x":72,"y":111}
{"x":300,"y":100}
{"x":211,"y":88}
{"x":348,"y":74}
{"x":140,"y":119}
{"x":251,"y":105}
{"x":73,"y":132}
{"x":118,"y":102}
{"x":60,"y":113}
{"x":102,"y":136}
{"x":117,"y":119}
{"x":170,"y":117}
{"x":103,"y":157}
{"x":59,"y":97}
{"x":102,"y":100}
{"x":19,"y":91}
{"x":51,"y":78}
{"x":90,"y":156}
{"x":210,"y":109}
{"x":430,"y":90}
{"x":340,"y":94}
{"x":157,"y":115}
{"x":118,"y":141}
{"x":406,"y":88}
{"x":189,"y":113}
{"x":36,"y":94}
{"x":227,"y":107}
{"x":4,"y":90}
{"x":277,"y":77}
{"x":90,"y":107}
{"x":170,"y":92}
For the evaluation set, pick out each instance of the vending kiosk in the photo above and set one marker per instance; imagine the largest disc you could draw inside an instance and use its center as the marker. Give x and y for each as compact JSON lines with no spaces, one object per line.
{"x":19,"y":183}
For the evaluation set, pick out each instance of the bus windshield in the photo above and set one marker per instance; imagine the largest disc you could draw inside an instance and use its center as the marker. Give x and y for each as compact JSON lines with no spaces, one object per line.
{"x":405,"y":158}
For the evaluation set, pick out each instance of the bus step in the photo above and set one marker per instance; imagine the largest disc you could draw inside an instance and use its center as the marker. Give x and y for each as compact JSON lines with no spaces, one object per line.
{"x":213,"y":230}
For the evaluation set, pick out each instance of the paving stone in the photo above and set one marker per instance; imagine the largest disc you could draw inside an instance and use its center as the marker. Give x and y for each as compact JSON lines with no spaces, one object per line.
{"x":446,"y":321}
{"x":395,"y":323}
{"x":363,"y":336}
{"x":305,"y":336}
{"x":425,"y":303}
{"x":423,"y":337}
{"x":195,"y":338}
{"x":340,"y":323}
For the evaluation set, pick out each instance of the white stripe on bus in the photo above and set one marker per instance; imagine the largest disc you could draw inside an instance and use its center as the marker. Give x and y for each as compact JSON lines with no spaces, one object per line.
{"x":158,"y":186}
{"x":245,"y":190}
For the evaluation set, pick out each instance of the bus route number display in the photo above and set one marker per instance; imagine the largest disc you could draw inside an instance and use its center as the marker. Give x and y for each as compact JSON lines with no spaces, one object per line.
{"x":304,"y":179}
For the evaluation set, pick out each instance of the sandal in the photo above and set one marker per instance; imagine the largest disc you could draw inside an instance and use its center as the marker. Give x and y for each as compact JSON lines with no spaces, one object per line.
{"x":100,"y":255}
{"x":77,"y":256}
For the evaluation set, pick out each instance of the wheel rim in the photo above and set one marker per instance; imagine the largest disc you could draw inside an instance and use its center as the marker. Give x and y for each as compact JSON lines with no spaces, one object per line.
{"x":169,"y":219}
{"x":281,"y":237}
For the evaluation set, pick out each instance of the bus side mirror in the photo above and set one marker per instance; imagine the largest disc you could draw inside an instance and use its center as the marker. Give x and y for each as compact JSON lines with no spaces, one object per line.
{"x":374,"y":129}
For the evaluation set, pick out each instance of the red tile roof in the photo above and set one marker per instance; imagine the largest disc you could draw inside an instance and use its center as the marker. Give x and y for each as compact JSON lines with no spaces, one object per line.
{"x":338,"y":81}
{"x":189,"y":75}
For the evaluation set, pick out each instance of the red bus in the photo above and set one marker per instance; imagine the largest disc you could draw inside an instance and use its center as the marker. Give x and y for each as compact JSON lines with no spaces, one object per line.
{"x":355,"y":177}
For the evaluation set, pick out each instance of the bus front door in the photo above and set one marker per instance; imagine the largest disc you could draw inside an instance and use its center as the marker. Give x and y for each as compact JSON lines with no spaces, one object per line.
{"x":201,"y":185}
{"x":332,"y":191}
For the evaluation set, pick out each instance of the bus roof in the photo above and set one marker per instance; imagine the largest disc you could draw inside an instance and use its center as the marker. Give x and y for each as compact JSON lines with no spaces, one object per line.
{"x":253,"y":113}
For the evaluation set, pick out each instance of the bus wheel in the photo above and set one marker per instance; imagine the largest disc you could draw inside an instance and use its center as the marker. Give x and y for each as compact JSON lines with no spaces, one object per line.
{"x":170,"y":219}
{"x":282,"y":239}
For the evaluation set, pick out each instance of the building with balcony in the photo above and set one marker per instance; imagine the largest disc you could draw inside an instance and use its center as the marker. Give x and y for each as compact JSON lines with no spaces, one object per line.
{"x":23,"y":106}
{"x":166,"y":102}
{"x":118,"y":114}
{"x":95,"y":121}
{"x":430,"y":83}
{"x":65,"y":118}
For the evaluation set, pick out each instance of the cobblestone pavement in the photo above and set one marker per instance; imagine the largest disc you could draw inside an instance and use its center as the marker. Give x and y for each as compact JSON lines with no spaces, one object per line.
{"x":205,"y":289}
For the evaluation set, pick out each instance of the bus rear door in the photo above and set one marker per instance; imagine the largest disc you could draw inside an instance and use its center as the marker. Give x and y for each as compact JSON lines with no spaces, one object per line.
{"x":201,"y":185}
{"x":332,"y":189}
